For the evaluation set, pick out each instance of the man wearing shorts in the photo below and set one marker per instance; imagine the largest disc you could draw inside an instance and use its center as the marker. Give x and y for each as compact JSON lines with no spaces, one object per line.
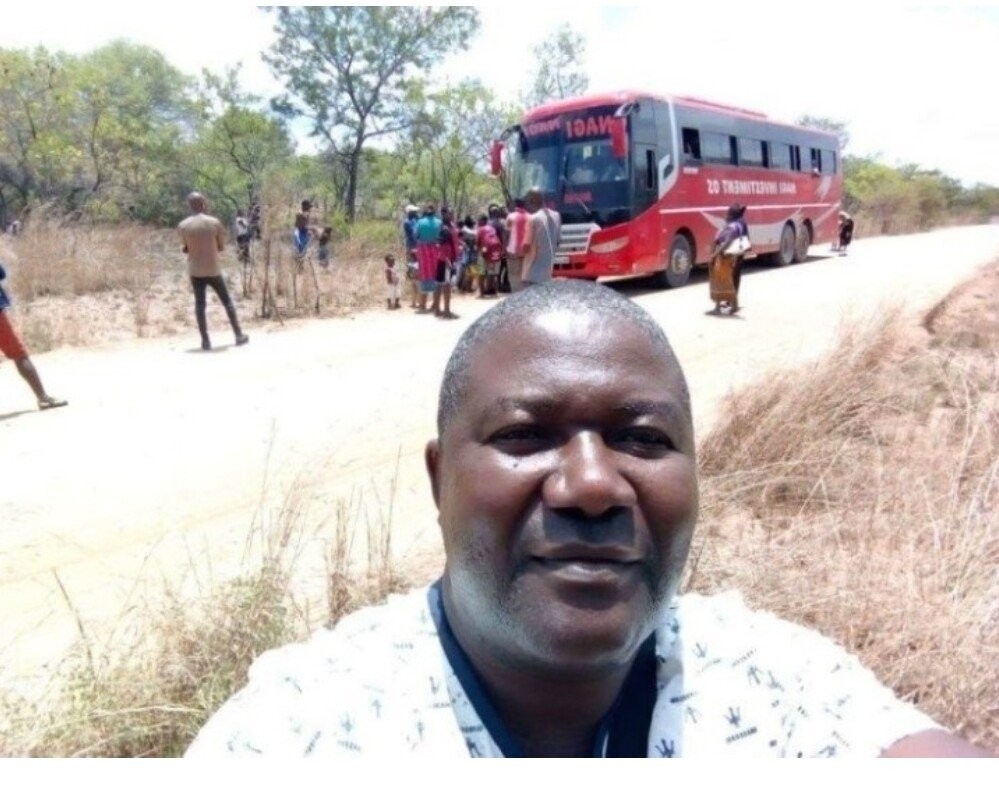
{"x":12,"y":348}
{"x":204,"y":237}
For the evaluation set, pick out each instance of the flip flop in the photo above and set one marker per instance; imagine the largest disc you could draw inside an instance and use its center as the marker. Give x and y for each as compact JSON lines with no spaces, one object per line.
{"x":45,"y":405}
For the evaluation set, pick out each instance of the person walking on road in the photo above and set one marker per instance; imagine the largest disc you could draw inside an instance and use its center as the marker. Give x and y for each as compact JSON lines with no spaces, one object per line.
{"x":845,"y":233}
{"x":727,"y":251}
{"x":12,"y":348}
{"x":204,"y":238}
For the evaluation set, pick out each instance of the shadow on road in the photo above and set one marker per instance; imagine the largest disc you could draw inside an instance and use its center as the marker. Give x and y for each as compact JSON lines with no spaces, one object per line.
{"x":198,"y":351}
{"x":15,"y":414}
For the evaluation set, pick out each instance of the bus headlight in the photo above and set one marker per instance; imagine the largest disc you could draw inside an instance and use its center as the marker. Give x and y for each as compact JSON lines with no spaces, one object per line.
{"x":610,"y":246}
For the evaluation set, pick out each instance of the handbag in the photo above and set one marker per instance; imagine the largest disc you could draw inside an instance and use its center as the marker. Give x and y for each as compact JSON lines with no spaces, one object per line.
{"x":739,"y":246}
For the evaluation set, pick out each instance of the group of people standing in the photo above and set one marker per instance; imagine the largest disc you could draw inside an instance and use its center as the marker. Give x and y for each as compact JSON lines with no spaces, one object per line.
{"x":303,"y":233}
{"x":504,"y":250}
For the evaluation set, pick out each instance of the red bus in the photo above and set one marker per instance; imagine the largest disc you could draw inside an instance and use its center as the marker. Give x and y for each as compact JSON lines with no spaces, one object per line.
{"x":643,"y":182}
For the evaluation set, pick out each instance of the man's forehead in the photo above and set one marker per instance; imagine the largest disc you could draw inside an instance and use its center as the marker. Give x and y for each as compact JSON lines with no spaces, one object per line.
{"x":554,"y":344}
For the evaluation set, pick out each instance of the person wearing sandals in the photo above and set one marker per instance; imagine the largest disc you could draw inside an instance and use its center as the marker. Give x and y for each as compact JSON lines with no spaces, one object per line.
{"x":12,"y":348}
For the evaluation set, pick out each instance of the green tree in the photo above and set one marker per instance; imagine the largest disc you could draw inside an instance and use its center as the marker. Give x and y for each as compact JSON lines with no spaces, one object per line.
{"x":558,"y":74}
{"x":133,"y":112}
{"x":239,"y":142}
{"x":451,"y":130}
{"x":346,"y":69}
{"x":35,"y":115}
{"x":99,"y":132}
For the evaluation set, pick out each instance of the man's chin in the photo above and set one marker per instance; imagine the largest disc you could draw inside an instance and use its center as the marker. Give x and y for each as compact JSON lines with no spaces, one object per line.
{"x":582,"y":640}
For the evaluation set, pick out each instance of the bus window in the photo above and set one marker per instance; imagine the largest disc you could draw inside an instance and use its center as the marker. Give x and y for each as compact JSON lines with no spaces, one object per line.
{"x":750,"y":152}
{"x":691,"y":145}
{"x":828,"y":161}
{"x":717,"y":147}
{"x":795,"y":158}
{"x":650,"y":169}
{"x":780,"y":156}
{"x":816,"y":159}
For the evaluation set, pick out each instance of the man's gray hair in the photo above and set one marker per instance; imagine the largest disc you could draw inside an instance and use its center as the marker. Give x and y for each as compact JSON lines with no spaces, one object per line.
{"x":583,"y":297}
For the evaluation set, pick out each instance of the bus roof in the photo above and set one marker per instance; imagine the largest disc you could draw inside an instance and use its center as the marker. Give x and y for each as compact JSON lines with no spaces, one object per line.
{"x":571,"y":104}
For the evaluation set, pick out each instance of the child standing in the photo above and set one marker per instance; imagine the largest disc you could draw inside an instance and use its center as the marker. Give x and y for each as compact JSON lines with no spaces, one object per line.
{"x":491,"y":247}
{"x":324,"y":247}
{"x":391,"y":283}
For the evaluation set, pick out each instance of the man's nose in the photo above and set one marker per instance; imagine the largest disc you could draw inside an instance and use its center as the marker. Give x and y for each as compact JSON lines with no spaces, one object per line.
{"x":588,"y":478}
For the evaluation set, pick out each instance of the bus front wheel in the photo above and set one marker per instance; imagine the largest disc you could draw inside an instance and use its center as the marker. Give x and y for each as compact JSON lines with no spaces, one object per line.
{"x":679,"y":263}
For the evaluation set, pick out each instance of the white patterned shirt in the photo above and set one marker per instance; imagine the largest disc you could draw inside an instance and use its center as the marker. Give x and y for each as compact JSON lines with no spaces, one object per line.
{"x":730,"y":681}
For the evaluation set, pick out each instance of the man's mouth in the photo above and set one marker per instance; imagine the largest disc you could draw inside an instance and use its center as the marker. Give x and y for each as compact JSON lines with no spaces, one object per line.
{"x":588,"y":564}
{"x":621,"y":555}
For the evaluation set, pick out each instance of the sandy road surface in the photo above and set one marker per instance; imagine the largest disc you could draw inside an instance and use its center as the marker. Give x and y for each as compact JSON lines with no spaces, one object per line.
{"x":158,"y":464}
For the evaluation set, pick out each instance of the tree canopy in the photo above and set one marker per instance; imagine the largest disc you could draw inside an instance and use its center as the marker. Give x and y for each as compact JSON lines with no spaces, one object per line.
{"x":347,"y":69}
{"x":119,"y":133}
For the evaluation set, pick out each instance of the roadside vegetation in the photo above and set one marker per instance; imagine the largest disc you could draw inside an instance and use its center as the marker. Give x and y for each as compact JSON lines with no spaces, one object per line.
{"x":859,"y":496}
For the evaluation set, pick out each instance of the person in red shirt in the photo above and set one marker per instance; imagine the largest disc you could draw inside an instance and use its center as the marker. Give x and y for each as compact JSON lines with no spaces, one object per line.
{"x":518,"y":225}
{"x":449,"y":251}
{"x":491,"y":247}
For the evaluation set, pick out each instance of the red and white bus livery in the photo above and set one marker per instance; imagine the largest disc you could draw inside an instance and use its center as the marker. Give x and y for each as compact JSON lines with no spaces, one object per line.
{"x":643,"y":182}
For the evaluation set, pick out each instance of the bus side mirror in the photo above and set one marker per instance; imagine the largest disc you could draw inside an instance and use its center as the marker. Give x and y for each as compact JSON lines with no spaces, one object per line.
{"x":619,"y":137}
{"x":496,"y":157}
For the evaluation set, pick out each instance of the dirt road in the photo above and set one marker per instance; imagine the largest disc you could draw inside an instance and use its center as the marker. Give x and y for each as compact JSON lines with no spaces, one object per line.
{"x":158,"y":466}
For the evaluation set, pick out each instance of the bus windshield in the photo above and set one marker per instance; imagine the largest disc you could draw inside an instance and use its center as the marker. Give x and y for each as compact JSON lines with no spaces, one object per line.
{"x":584,"y":180}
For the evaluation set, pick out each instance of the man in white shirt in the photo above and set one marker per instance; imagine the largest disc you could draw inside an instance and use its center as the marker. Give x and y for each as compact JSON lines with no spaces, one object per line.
{"x":564,"y":475}
{"x":545,"y":228}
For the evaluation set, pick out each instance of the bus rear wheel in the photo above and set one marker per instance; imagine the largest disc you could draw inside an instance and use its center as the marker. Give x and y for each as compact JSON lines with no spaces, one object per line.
{"x":785,"y":255}
{"x":801,"y":244}
{"x":679,"y":263}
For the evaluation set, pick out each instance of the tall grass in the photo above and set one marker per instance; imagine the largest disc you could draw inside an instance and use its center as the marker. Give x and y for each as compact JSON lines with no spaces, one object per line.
{"x":861,"y":497}
{"x":147,"y":689}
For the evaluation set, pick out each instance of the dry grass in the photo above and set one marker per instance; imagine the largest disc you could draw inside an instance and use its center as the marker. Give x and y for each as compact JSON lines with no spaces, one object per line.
{"x":82,"y":285}
{"x":861,"y":497}
{"x":149,"y":687}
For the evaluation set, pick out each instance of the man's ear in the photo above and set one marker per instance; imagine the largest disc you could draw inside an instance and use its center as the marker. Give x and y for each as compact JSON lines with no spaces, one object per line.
{"x":432,"y":456}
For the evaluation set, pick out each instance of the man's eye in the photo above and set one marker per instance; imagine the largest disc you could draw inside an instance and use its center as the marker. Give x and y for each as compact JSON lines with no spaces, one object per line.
{"x":520,"y":437}
{"x":646,"y":441}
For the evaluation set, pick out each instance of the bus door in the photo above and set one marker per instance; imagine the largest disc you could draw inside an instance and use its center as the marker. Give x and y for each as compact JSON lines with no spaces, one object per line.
{"x":645,"y":193}
{"x":645,"y":159}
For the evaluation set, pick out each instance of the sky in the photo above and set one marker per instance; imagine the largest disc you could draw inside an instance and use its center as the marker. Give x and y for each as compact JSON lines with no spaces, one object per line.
{"x":915,"y":82}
